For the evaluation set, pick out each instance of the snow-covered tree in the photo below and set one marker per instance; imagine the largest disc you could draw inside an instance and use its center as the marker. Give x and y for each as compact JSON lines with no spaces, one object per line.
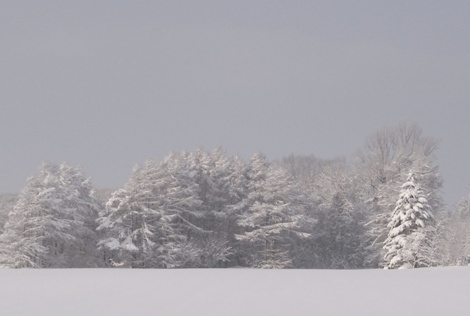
{"x":212,"y":174}
{"x":340,"y":235}
{"x":455,"y":244}
{"x":52,"y":224}
{"x":305,"y":170}
{"x":338,"y":239}
{"x":148,"y":223}
{"x":408,"y":238}
{"x":222,"y":186}
{"x":382,"y":166}
{"x":180,"y":212}
{"x":275,"y":206}
{"x":7,"y":202}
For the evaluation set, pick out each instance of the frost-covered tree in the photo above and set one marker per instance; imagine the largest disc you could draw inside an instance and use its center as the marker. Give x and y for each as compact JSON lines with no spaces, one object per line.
{"x":338,"y":239}
{"x":407,"y":243}
{"x":176,"y":213}
{"x":217,"y":191}
{"x":382,"y":165}
{"x":7,"y":202}
{"x":53,"y":223}
{"x":222,"y":186}
{"x":306,"y":170}
{"x":455,"y":244}
{"x":275,"y":206}
{"x":148,"y":223}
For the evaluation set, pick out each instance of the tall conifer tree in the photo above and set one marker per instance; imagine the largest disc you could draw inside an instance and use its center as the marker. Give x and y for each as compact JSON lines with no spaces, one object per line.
{"x":408,"y":237}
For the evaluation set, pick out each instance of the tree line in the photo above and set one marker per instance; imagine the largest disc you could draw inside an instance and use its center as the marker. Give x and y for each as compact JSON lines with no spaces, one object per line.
{"x":205,"y":209}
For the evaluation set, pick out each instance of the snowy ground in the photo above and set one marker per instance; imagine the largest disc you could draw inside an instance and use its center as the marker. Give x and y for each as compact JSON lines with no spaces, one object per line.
{"x":244,"y":292}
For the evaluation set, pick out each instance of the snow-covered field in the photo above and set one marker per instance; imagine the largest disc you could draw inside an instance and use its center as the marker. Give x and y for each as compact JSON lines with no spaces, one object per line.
{"x":114,"y":292}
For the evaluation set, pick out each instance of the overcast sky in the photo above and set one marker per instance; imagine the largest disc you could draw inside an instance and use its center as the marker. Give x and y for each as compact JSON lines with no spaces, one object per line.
{"x":108,"y":84}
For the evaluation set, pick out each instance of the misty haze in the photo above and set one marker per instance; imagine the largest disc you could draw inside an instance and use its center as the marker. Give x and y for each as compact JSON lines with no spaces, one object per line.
{"x":169,"y":147}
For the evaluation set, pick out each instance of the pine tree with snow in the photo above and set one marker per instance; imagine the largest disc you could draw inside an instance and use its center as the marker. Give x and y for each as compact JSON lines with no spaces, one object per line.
{"x":382,"y":167}
{"x":455,"y":246}
{"x":221,"y":189}
{"x":339,"y":235}
{"x":274,"y":212}
{"x":149,"y":223}
{"x":53,"y":223}
{"x":408,"y":235}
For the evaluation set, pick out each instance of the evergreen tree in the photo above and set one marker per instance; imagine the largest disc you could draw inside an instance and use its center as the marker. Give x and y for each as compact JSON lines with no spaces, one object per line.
{"x":382,"y":166}
{"x":7,"y":202}
{"x":408,"y":238}
{"x":52,"y":224}
{"x":149,"y":222}
{"x":338,"y":238}
{"x":221,"y":189}
{"x":274,"y":210}
{"x":175,"y":213}
{"x":455,"y":244}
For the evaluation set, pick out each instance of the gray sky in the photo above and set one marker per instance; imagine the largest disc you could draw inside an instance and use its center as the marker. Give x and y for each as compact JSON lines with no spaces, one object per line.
{"x":108,"y":84}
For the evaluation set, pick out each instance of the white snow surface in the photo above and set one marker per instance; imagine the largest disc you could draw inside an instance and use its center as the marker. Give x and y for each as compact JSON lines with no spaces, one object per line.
{"x":115,"y":292}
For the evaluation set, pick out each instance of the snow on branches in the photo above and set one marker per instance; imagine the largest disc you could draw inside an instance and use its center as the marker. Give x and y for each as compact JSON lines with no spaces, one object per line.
{"x":408,"y":234}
